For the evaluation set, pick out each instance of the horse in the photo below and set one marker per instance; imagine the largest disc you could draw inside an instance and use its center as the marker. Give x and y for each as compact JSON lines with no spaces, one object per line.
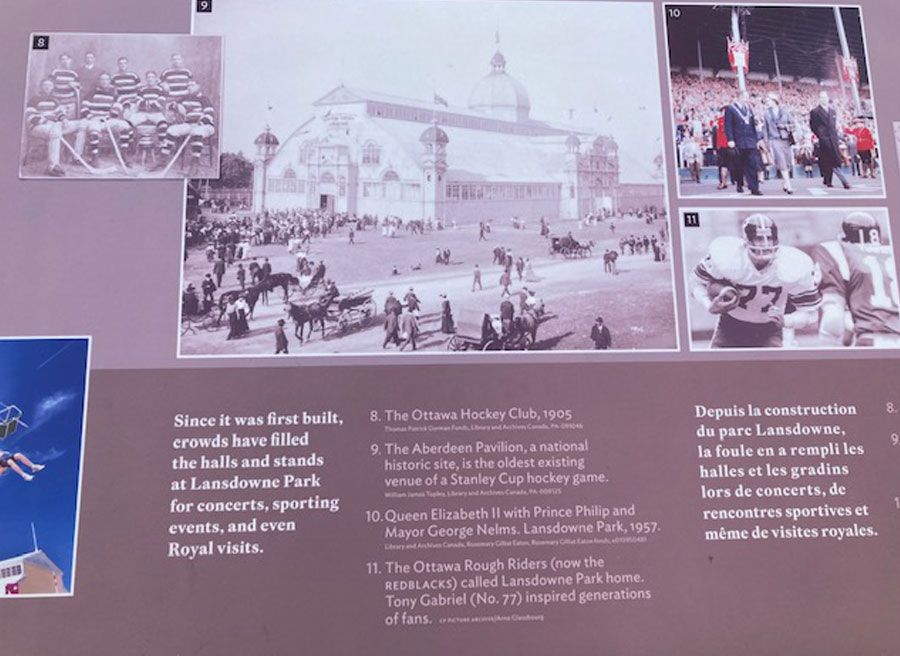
{"x":283,"y":280}
{"x":527,"y":322}
{"x":252,"y":294}
{"x":307,"y":313}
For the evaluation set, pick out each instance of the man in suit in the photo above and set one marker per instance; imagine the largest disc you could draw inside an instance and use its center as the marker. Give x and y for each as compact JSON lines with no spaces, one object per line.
{"x":600,"y":335}
{"x":823,"y":123}
{"x":743,"y":138}
{"x":281,"y":342}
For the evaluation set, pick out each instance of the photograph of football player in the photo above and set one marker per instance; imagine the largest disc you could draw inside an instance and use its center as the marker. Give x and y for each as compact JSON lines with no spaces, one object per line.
{"x":105,"y":120}
{"x":756,"y":286}
{"x":809,"y":279}
{"x":861,"y":303}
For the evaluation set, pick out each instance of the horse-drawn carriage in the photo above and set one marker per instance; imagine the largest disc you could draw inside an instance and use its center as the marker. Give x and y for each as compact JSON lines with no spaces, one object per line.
{"x":490,"y":334}
{"x":353,"y":310}
{"x":569,"y":247}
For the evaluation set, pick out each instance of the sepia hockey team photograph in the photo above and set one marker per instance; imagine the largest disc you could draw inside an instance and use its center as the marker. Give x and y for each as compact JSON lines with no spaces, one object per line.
{"x":122,"y":106}
{"x":391,"y":188}
{"x":791,"y":279}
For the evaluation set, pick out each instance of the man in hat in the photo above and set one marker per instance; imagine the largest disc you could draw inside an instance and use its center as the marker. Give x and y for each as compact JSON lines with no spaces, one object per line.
{"x":412,"y":301}
{"x":281,"y":341}
{"x":600,"y":335}
{"x":190,"y":304}
{"x":209,"y":287}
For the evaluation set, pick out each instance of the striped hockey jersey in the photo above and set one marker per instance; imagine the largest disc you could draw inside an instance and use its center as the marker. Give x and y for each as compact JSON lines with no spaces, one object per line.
{"x":198,"y":109}
{"x":126,"y":85}
{"x":176,"y":81}
{"x":101,"y":104}
{"x":41,"y":109}
{"x":63,"y":89}
{"x":150,"y":98}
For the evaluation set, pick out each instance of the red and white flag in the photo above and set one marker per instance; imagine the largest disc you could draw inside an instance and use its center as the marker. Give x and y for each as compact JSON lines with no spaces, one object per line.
{"x":739,"y":55}
{"x":850,"y":69}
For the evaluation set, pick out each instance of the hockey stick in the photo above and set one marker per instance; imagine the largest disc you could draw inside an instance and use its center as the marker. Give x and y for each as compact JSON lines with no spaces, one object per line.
{"x":115,"y":144}
{"x":177,"y":154}
{"x":91,"y":169}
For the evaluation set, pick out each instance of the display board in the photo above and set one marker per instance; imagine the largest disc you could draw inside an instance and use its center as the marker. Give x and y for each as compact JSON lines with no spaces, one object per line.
{"x":405,"y":326}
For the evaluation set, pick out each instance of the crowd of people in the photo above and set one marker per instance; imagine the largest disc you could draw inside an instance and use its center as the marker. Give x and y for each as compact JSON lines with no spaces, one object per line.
{"x":232,"y":241}
{"x":771,"y":131}
{"x":151,"y":117}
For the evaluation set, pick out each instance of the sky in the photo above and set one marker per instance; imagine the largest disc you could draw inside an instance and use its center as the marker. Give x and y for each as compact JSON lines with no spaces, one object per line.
{"x":568,"y":55}
{"x":45,"y":378}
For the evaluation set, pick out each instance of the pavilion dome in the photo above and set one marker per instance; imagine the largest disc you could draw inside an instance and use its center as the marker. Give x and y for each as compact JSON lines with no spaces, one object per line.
{"x":266,"y":139}
{"x":499,"y":94}
{"x":434,"y":134}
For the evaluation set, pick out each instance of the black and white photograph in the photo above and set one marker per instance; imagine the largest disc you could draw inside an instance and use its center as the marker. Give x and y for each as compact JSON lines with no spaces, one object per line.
{"x":790,"y":279}
{"x":434,"y":177}
{"x":113,"y":106}
{"x":772,"y":101}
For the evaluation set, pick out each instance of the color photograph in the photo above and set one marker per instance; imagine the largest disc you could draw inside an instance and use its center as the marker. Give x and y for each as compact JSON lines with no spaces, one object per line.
{"x":42,"y":408}
{"x":772,"y":101}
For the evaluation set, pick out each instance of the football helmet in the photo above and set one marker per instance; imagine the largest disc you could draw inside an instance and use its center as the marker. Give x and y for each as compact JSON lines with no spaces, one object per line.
{"x":861,"y":228}
{"x":761,"y":237}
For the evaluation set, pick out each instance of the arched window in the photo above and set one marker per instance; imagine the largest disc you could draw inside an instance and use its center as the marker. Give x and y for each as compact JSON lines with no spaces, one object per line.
{"x":289,"y":173}
{"x":391,"y":185}
{"x":342,"y":186}
{"x":371,"y":153}
{"x":306,"y":151}
{"x":327,"y":178}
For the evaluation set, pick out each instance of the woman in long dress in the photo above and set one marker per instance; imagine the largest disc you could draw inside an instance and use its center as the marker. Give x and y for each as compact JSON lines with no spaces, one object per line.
{"x":447,"y":326}
{"x":231,"y":310}
{"x":243,"y":310}
{"x":530,"y":275}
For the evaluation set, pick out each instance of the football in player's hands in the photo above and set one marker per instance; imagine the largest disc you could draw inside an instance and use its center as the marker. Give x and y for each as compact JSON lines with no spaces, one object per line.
{"x":724,"y":298}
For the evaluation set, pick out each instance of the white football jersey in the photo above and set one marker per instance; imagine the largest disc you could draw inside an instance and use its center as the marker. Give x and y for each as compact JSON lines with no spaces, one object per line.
{"x":791,"y":277}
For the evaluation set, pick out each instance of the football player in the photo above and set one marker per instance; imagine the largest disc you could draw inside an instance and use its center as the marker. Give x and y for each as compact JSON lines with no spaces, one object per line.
{"x":861,"y":303}
{"x":757,"y":287}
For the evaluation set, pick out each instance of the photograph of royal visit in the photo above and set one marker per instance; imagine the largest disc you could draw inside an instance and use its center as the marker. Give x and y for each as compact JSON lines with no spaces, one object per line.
{"x":772,"y":101}
{"x":432,"y":177}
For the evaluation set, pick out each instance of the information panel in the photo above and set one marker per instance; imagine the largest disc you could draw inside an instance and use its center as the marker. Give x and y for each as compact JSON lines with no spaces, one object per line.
{"x":429,"y":326}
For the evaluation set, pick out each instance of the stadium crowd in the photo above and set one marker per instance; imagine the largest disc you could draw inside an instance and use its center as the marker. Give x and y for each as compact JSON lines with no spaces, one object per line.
{"x":699,"y":106}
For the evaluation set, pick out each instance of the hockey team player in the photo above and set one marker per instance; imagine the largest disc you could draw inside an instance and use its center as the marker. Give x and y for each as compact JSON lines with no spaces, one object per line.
{"x":46,"y":119}
{"x":102,"y":113}
{"x":199,"y":124}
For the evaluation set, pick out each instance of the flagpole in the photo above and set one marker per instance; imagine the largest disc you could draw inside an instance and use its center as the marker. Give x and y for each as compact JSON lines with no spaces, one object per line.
{"x":845,"y":48}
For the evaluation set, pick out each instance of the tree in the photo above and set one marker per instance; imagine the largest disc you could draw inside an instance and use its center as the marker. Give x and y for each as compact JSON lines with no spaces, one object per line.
{"x":235,"y":172}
